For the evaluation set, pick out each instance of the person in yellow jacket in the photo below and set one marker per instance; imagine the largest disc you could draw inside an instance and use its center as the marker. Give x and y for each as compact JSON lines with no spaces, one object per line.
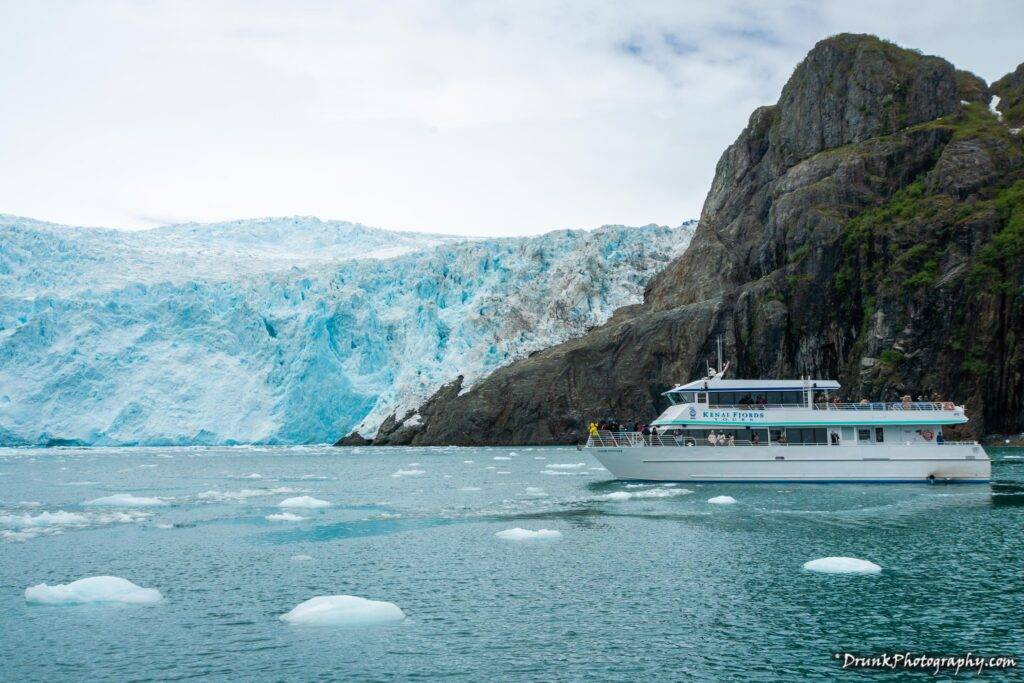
{"x":592,"y":429}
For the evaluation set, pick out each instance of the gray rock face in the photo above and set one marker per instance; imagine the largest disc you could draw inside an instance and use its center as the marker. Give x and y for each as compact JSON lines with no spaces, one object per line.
{"x":849,"y":232}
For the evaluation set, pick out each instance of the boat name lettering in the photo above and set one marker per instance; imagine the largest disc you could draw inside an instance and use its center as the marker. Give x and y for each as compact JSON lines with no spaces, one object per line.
{"x":734,"y":415}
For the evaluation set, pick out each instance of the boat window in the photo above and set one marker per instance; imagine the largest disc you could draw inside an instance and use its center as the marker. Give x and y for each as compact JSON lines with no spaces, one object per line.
{"x":863,"y":434}
{"x":879,"y":434}
{"x":847,"y":433}
{"x":685,"y":396}
{"x":702,"y":397}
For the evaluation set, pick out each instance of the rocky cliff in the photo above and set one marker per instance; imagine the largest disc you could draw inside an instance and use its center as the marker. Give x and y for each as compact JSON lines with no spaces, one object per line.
{"x":867,"y":227}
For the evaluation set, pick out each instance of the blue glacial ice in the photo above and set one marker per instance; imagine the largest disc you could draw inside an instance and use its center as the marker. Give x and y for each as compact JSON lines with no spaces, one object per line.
{"x":285,"y":330}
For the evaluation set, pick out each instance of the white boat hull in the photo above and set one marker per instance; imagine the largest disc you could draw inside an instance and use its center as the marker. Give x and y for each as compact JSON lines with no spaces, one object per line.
{"x":966,"y":463}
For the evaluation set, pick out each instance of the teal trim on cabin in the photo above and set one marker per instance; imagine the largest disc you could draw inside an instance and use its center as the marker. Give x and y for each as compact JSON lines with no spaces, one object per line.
{"x":860,"y":423}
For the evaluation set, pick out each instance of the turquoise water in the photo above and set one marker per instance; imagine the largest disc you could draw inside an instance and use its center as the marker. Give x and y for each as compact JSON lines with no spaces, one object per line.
{"x":647,"y":588}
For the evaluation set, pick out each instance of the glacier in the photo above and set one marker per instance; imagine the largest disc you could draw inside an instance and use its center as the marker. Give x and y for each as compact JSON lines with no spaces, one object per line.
{"x":282,"y":330}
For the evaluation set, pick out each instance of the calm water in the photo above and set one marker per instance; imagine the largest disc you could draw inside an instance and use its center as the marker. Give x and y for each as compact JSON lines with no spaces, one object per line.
{"x":657,"y":588}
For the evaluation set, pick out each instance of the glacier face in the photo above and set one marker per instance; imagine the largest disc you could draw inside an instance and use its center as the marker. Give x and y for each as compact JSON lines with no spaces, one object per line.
{"x":282,"y":330}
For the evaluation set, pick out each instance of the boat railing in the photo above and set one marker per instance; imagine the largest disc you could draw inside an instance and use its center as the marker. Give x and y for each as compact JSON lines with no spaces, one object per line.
{"x":608,"y":439}
{"x":886,"y":405}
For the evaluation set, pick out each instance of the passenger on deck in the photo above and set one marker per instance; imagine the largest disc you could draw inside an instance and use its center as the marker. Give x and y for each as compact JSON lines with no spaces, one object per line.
{"x":592,"y":429}
{"x":760,"y":402}
{"x":713,"y":438}
{"x":782,"y":439}
{"x":834,"y":438}
{"x":755,"y":439}
{"x":746,"y":401}
{"x":731,"y":440}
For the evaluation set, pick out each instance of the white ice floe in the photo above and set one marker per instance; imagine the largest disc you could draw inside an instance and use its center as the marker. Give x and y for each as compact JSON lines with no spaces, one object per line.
{"x":164,"y":526}
{"x":244,"y":494}
{"x":501,"y":457}
{"x":618,"y":496}
{"x":539,"y":457}
{"x":307,"y":502}
{"x":722,"y":500}
{"x":92,"y":589}
{"x":414,"y":464}
{"x":467,"y":462}
{"x":125,"y":500}
{"x":284,"y":517}
{"x":301,"y":558}
{"x":470,"y":488}
{"x":407,"y":473}
{"x":343,"y":610}
{"x":503,"y":472}
{"x":535,"y":492}
{"x":842,"y":565}
{"x":517,"y":534}
{"x":566,"y":466}
{"x":513,"y":453}
{"x":43,"y":519}
{"x":252,"y":475}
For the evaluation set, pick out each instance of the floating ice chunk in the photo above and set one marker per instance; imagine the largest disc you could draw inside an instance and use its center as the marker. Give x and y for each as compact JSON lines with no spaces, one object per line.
{"x":618,"y":496}
{"x":221,"y":496}
{"x":164,"y":526}
{"x":59,"y":518}
{"x":253,"y":475}
{"x":842,"y":565}
{"x":518,"y":534}
{"x":307,"y":502}
{"x":501,"y":457}
{"x":301,"y":558}
{"x":513,"y":454}
{"x":92,"y":589}
{"x":414,"y":464}
{"x":343,"y":610}
{"x":125,"y":500}
{"x":467,"y":462}
{"x":566,"y":466}
{"x":722,"y":500}
{"x":503,"y":472}
{"x":539,"y":457}
{"x":535,"y":492}
{"x":407,"y":473}
{"x":284,"y":517}
{"x":470,"y":488}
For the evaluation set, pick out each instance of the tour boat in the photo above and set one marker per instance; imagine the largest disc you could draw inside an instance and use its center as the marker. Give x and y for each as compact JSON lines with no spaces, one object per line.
{"x":738,"y":430}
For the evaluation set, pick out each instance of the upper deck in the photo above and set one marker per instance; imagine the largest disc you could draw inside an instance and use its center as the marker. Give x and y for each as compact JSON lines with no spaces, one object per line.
{"x":792,"y":403}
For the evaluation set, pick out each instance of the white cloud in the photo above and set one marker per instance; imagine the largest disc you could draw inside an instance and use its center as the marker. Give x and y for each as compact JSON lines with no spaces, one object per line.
{"x":480,"y":118}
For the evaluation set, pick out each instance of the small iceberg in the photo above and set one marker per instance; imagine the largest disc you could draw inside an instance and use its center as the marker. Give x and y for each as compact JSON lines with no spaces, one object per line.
{"x":92,"y":589}
{"x":302,"y":558}
{"x":722,"y":500}
{"x":125,"y":500}
{"x":842,"y":565}
{"x":407,"y":473}
{"x":518,"y":534}
{"x":284,"y":517}
{"x":343,"y":610}
{"x":501,"y":457}
{"x":470,"y":488}
{"x":567,"y":466}
{"x":535,"y":492}
{"x":307,"y":502}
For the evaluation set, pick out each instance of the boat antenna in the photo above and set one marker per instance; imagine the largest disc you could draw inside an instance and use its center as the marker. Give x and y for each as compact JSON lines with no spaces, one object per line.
{"x":719,"y":353}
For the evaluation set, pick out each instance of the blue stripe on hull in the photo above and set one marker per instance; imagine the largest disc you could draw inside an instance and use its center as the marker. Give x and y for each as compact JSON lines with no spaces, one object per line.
{"x":813,"y":481}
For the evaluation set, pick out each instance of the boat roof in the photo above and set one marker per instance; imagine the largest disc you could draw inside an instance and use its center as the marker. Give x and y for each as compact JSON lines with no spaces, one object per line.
{"x":752,"y":385}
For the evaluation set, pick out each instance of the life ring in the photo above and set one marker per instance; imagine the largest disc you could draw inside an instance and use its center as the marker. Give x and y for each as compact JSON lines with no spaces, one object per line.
{"x":928,"y":434}
{"x":947,"y":406}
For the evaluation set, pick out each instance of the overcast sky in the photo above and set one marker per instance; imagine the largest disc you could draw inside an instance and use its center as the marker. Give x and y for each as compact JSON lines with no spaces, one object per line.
{"x":461,"y":117}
